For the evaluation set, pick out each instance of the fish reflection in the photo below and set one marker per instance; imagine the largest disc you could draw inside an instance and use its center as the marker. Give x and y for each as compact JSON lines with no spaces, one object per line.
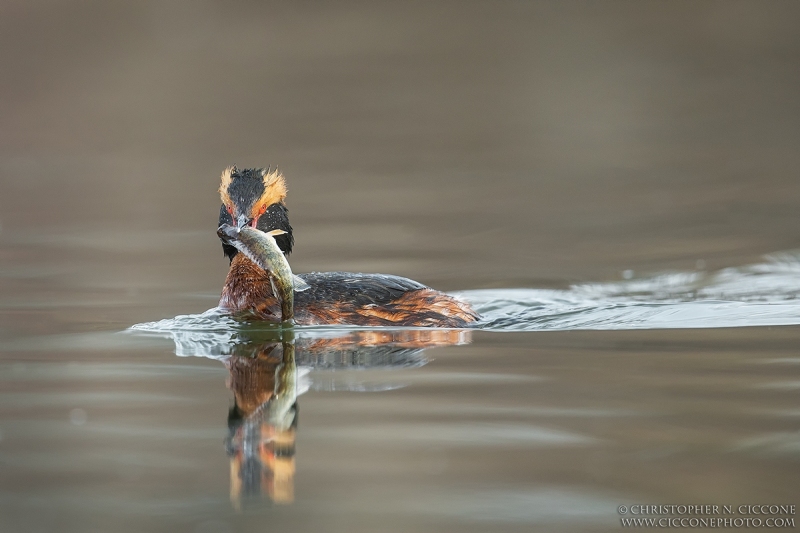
{"x":268,"y":375}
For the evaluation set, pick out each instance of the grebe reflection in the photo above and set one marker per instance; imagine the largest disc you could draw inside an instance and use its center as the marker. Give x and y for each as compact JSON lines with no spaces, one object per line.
{"x":266,"y":376}
{"x":262,"y":423}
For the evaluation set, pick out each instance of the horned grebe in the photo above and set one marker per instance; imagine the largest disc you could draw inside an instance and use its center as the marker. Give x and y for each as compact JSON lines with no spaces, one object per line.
{"x":255,"y":198}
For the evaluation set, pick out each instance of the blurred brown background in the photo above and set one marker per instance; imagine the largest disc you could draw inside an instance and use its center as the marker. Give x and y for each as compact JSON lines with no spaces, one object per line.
{"x":466,"y":144}
{"x":463,"y":144}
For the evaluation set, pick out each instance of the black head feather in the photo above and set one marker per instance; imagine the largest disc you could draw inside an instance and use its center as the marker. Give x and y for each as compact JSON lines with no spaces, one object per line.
{"x":246,"y":186}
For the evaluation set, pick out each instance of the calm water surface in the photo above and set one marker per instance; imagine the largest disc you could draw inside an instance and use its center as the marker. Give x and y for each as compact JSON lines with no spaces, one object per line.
{"x":613,"y":185}
{"x":197,"y":423}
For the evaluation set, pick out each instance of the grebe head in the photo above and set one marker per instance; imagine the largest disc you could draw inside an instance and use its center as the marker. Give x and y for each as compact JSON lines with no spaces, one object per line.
{"x":254,"y":197}
{"x":247,"y":194}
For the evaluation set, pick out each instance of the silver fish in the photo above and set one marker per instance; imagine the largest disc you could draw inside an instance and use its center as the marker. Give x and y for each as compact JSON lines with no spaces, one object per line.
{"x":261,"y":248}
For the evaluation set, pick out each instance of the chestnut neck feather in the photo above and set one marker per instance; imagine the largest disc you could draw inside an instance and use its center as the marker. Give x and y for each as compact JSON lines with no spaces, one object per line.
{"x":248,"y":288}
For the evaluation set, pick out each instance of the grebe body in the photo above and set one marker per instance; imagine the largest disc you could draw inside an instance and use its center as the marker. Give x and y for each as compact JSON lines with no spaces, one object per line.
{"x":255,"y":198}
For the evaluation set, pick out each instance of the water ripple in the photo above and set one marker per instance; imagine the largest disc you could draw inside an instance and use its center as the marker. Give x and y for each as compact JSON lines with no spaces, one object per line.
{"x":757,"y":295}
{"x":766,"y":294}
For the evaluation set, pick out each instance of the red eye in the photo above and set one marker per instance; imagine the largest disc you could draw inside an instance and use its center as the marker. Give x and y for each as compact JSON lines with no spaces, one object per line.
{"x":263,"y":209}
{"x":229,"y":209}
